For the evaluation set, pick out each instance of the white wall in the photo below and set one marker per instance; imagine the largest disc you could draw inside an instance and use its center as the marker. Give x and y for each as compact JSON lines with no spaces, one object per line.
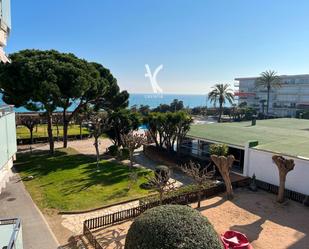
{"x":260,"y":163}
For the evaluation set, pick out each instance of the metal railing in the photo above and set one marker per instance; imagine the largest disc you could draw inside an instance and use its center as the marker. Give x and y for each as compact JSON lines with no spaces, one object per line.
{"x":13,"y":242}
{"x":124,"y":215}
{"x":6,"y":109}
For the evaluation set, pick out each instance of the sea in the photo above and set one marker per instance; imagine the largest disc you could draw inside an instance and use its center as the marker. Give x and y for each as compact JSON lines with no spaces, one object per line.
{"x":153,"y":100}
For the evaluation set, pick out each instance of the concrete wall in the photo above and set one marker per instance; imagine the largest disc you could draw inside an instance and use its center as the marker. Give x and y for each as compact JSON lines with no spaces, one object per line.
{"x":260,"y":163}
{"x":8,"y":146}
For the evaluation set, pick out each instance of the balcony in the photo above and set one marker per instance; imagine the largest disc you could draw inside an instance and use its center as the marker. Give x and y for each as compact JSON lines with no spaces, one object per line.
{"x":11,"y":234}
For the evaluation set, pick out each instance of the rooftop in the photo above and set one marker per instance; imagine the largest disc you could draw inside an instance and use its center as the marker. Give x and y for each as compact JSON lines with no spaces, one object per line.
{"x":282,"y":76}
{"x":285,"y":135}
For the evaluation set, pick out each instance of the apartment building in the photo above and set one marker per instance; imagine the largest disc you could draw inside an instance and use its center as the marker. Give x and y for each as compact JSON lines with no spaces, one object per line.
{"x":5,"y":27}
{"x":293,"y":95}
{"x":8,"y":147}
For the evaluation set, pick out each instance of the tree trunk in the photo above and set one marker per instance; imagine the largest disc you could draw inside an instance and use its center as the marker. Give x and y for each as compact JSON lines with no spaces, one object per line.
{"x":199,"y":198}
{"x":284,"y":167}
{"x":50,"y":133}
{"x":267,"y":107}
{"x":31,"y":139}
{"x":96,"y":145}
{"x":65,"y":129}
{"x":80,"y":131}
{"x":131,"y":159}
{"x":161,"y":197}
{"x":57,"y":128}
{"x":224,"y":165}
{"x":220,"y":112}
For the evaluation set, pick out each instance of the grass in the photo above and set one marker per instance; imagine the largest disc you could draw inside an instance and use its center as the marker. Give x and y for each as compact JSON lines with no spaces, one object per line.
{"x":285,"y":135}
{"x":22,"y":132}
{"x":69,"y":181}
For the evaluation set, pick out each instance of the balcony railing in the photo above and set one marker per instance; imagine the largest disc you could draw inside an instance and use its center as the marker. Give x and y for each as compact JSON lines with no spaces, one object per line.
{"x":6,"y":109}
{"x":15,"y":236}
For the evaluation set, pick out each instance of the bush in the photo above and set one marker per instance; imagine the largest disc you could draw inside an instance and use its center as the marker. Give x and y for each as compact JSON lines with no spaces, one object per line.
{"x":163,"y":172}
{"x":219,"y":149}
{"x":146,"y":185}
{"x":124,"y":153}
{"x":113,"y":150}
{"x":172,"y":227}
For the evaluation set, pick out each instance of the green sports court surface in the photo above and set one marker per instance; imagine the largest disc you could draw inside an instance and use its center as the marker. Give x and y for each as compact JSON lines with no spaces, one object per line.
{"x":285,"y":135}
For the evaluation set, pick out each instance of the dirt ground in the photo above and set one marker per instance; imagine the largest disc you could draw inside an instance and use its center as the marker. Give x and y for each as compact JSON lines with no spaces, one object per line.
{"x":268,"y":225}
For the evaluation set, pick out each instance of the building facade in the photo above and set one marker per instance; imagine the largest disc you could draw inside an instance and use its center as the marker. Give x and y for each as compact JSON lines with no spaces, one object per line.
{"x":285,"y":101}
{"x":5,"y":27}
{"x":8,"y":146}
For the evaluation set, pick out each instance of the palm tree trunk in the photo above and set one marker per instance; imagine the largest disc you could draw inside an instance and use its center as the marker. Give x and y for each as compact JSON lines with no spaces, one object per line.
{"x":267,"y":107}
{"x":220,"y":112}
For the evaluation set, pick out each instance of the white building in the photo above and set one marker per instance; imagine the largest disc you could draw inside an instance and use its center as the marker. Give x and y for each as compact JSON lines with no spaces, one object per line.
{"x":293,"y":95}
{"x":5,"y":27}
{"x":8,"y":146}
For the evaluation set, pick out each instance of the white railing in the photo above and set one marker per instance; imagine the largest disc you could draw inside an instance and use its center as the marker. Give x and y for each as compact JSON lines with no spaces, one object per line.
{"x":6,"y":109}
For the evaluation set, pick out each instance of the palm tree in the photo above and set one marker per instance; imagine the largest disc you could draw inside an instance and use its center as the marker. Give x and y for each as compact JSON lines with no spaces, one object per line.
{"x":262,"y":101}
{"x":221,"y":93}
{"x":268,"y":79}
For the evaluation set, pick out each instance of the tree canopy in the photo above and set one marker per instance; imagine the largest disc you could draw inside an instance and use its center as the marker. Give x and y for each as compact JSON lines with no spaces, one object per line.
{"x":47,"y":80}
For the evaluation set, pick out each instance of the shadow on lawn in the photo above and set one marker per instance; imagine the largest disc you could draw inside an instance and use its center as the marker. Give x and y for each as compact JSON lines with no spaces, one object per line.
{"x":110,"y":173}
{"x":82,"y":168}
{"x":42,"y":163}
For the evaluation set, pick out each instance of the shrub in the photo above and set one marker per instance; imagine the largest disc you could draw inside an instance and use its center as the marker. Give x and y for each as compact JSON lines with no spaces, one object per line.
{"x":113,"y":150}
{"x":124,"y":153}
{"x":172,"y":227}
{"x":163,"y":172}
{"x":146,"y":185}
{"x":219,"y":149}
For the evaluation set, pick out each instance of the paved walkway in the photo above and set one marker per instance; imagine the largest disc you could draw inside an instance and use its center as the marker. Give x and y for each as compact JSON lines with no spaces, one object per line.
{"x":74,"y":222}
{"x":15,"y":201}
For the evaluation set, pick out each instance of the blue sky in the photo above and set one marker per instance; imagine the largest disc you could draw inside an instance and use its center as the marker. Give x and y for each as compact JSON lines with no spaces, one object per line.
{"x":199,"y":42}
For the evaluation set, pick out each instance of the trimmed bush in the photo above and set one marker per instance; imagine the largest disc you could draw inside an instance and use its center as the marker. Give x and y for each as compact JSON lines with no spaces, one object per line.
{"x":219,"y":149}
{"x":172,"y":227}
{"x":163,"y":172}
{"x":124,"y":153}
{"x":113,"y":150}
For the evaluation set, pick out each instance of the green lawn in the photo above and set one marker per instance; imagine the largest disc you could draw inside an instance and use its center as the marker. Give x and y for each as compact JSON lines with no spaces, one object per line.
{"x":23,"y":132}
{"x":285,"y":135}
{"x":69,"y":181}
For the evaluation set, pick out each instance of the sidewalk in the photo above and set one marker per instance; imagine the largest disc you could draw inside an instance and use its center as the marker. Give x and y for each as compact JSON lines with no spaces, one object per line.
{"x":16,"y":202}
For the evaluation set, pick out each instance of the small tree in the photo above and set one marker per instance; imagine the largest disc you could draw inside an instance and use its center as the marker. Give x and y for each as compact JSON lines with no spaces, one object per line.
{"x":57,"y":117}
{"x":224,"y":163}
{"x":132,"y":141}
{"x":133,"y":177}
{"x":199,"y":175}
{"x":99,"y":124}
{"x":161,"y":184}
{"x":30,"y":122}
{"x":284,"y":167}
